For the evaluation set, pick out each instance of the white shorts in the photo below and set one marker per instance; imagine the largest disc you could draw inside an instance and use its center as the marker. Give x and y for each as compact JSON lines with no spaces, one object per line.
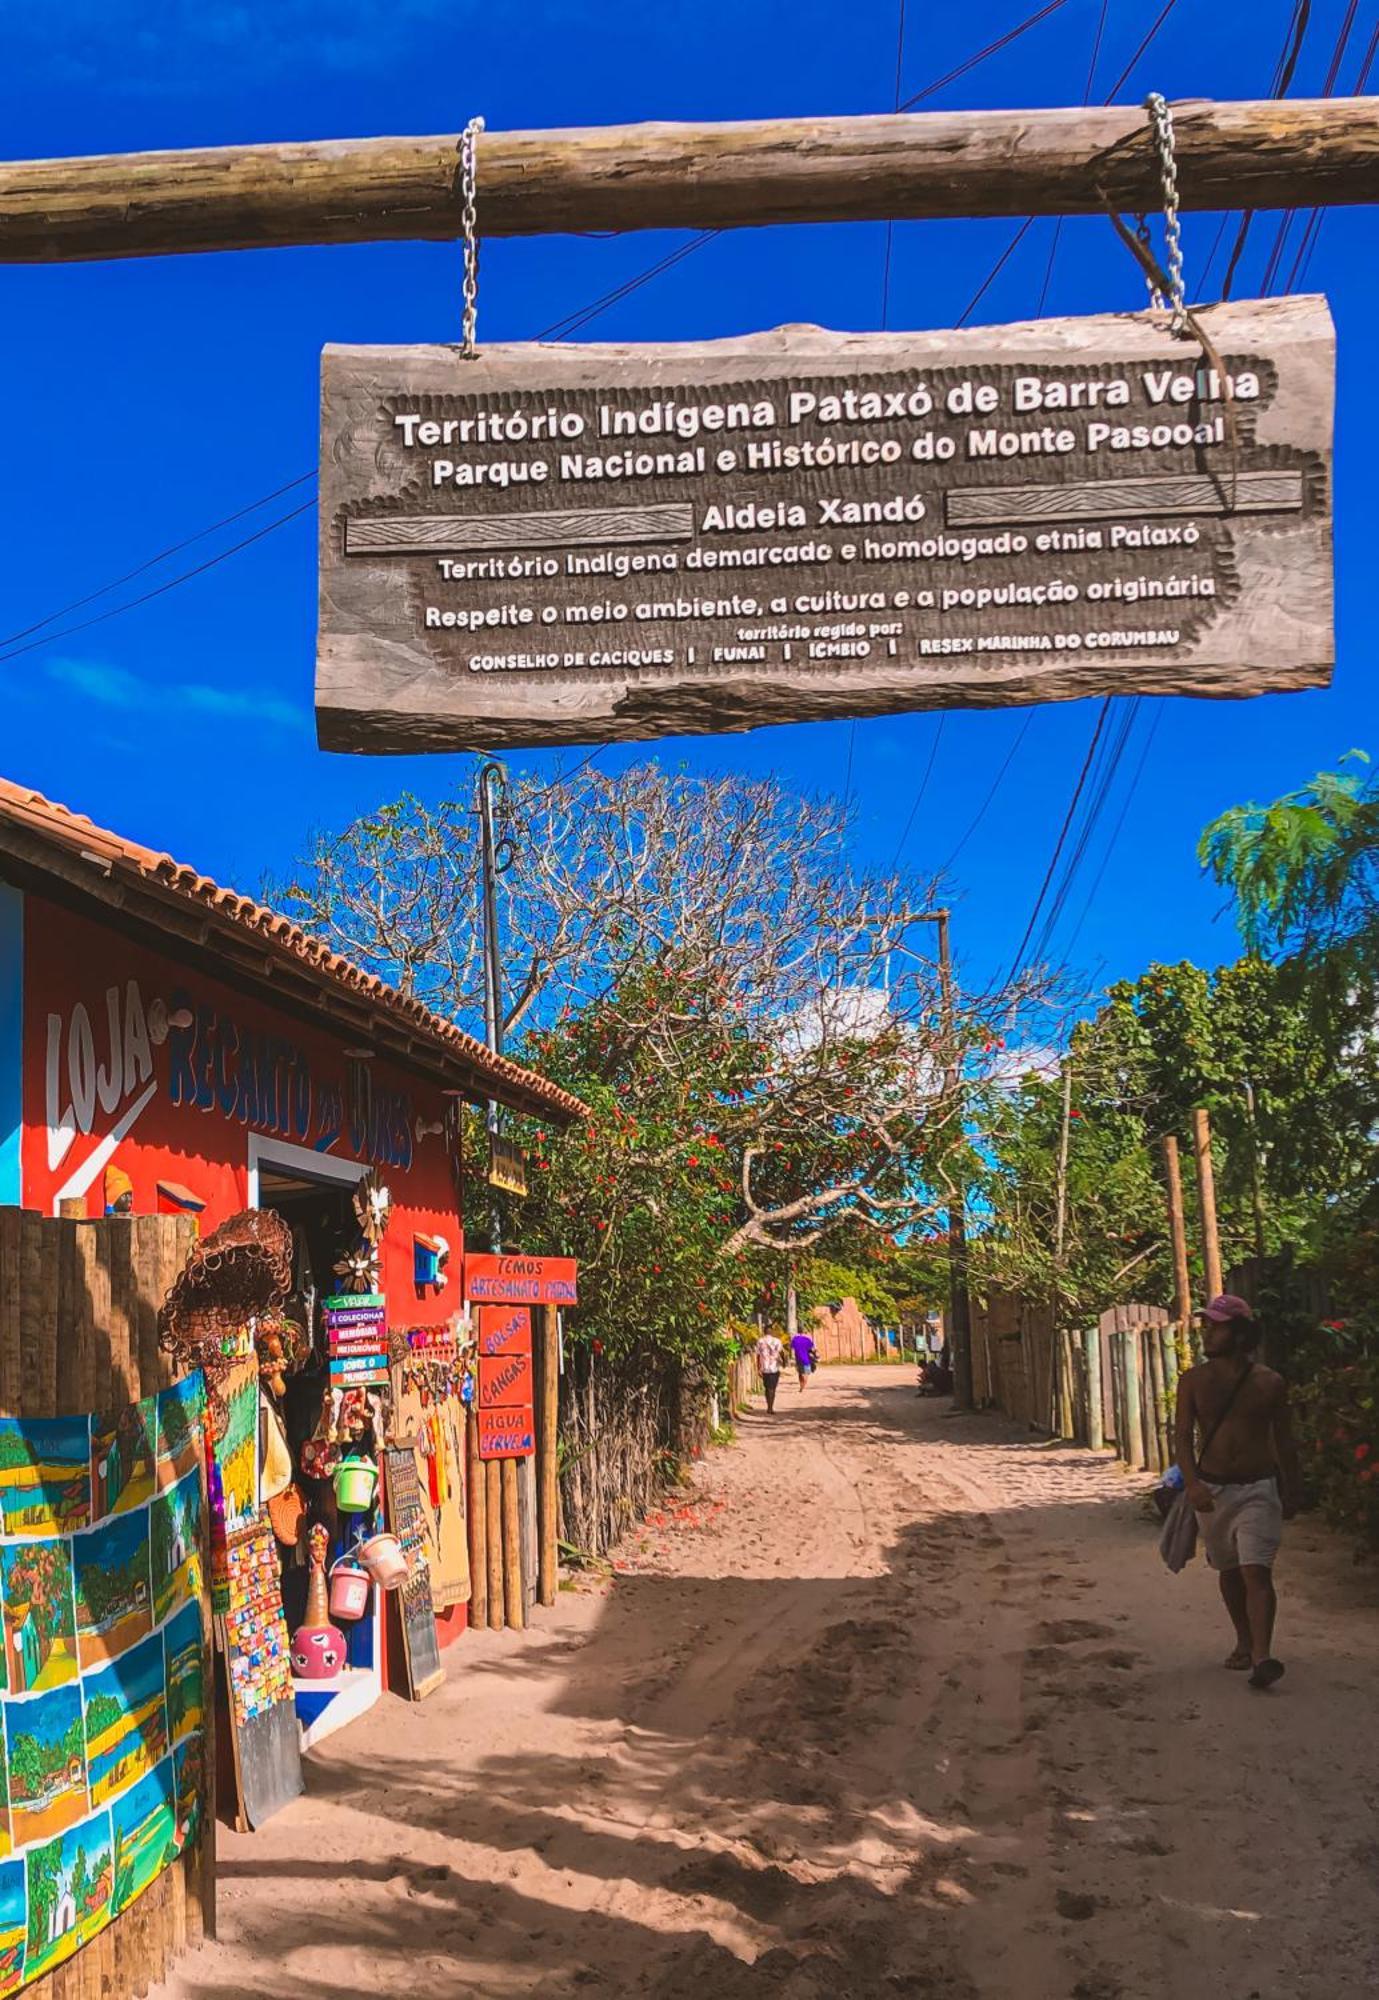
{"x":1244,"y":1527}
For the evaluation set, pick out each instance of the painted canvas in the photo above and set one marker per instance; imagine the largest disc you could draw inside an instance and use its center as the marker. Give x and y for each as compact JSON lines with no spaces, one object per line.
{"x":13,"y":1924}
{"x":122,"y":1458}
{"x":46,"y":1752}
{"x":45,"y":1475}
{"x":237,"y":1450}
{"x":143,"y":1826}
{"x":126,"y":1719}
{"x":189,"y":1763}
{"x":68,"y":1884}
{"x":174,"y":1524}
{"x":180,"y":1413}
{"x":114,"y":1598}
{"x":5,"y":1842}
{"x":182,"y":1647}
{"x":40,"y":1621}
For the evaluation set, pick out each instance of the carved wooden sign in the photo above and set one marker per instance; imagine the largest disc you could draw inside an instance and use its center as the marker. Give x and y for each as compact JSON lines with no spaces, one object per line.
{"x":546,"y":545}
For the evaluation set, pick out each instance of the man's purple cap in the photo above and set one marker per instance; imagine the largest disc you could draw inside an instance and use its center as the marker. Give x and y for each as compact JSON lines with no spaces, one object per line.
{"x":1226,"y":1306}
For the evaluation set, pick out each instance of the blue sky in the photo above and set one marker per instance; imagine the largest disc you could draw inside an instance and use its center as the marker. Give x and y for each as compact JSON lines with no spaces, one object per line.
{"x":151,"y":398}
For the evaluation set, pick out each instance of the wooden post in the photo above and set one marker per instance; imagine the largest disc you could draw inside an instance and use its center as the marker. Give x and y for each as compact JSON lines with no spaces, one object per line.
{"x":1206,"y":1200}
{"x":1177,"y":1236}
{"x":1133,"y":1451}
{"x":493,"y":1505}
{"x":1270,"y":154}
{"x":1154,"y":1355}
{"x":1096,"y":1429}
{"x":476,"y":1495}
{"x":514,"y":1612}
{"x":547,"y":1447}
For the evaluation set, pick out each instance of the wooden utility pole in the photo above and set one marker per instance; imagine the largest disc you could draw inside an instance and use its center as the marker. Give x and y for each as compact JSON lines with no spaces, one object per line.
{"x":1269,"y":154}
{"x":959,"y":1304}
{"x":1256,"y":1184}
{"x":477,"y":1496}
{"x":1177,"y":1235}
{"x":1061,"y":1394}
{"x":548,"y":1447}
{"x":1206,"y":1201}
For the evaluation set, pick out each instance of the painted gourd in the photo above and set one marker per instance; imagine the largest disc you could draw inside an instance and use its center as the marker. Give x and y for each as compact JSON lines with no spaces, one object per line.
{"x":318,"y":1647}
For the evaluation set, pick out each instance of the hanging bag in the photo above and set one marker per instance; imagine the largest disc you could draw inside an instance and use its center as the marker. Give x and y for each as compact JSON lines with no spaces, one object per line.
{"x":1178,"y":1541}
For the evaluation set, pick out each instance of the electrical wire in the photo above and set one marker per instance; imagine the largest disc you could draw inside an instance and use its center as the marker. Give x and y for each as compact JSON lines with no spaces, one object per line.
{"x":992,"y":49}
{"x":1313,"y":227}
{"x":983,"y":808}
{"x":919,"y":795}
{"x":1082,"y":777}
{"x":1294,"y":36}
{"x":1086,"y":99}
{"x":890,"y":220}
{"x":1116,"y":831}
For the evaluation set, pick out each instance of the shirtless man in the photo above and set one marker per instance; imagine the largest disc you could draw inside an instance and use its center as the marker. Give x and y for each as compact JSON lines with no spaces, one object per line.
{"x":1247,"y":1485}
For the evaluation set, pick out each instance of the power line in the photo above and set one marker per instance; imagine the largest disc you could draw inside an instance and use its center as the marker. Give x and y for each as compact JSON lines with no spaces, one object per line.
{"x":890,"y":220}
{"x":1086,"y":99}
{"x":1283,"y":77}
{"x":983,"y":808}
{"x":1151,"y":35}
{"x":163,"y":555}
{"x":1016,"y":962}
{"x":991,"y":49}
{"x":1110,"y":848}
{"x":185,"y":576}
{"x":919,"y":795}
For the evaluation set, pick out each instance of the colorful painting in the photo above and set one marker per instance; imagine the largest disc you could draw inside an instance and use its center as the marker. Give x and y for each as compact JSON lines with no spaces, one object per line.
{"x":122,"y":1458}
{"x":114,"y":1599}
{"x":5,"y":1842}
{"x":182,"y":1647}
{"x":237,"y":1449}
{"x":68,"y":1884}
{"x":40,"y":1623}
{"x":189,"y":1762}
{"x":174,"y":1533}
{"x":126,"y":1719}
{"x":143,"y":1827}
{"x":181,"y":1412}
{"x":46,"y":1748}
{"x":45,"y":1475}
{"x":14,"y":1922}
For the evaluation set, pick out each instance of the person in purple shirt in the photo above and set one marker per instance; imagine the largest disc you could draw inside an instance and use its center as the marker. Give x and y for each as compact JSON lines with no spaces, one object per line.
{"x":806,"y":1357}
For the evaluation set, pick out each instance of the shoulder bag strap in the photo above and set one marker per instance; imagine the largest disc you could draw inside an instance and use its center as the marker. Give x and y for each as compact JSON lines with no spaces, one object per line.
{"x":1208,"y":1436}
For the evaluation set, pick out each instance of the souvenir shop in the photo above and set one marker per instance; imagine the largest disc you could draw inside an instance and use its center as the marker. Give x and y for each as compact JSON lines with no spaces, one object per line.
{"x":167,"y":1046}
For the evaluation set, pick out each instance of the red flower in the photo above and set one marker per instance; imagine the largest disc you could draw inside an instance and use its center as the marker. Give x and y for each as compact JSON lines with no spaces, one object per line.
{"x":1362,"y":1451}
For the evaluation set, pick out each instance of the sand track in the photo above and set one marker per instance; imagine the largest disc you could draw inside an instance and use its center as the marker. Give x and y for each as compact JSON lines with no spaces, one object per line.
{"x":908,"y":1707}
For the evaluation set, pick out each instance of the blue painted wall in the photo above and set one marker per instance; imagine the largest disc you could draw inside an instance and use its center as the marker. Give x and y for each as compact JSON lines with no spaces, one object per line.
{"x":11,"y":1030}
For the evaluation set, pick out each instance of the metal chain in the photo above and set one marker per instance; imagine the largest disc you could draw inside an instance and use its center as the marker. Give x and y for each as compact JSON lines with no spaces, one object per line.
{"x":1161,"y":125}
{"x":469,"y":220}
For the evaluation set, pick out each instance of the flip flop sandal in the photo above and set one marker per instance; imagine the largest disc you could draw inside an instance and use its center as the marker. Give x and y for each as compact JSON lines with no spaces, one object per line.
{"x":1266,"y":1674}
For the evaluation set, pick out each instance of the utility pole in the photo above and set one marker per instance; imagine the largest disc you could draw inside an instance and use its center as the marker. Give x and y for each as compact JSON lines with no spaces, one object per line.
{"x":1256,"y":1187}
{"x":495,"y":858}
{"x":1206,"y":1200}
{"x":1061,"y":1385}
{"x":1177,"y":1232}
{"x":959,"y":1305}
{"x":1299,"y":153}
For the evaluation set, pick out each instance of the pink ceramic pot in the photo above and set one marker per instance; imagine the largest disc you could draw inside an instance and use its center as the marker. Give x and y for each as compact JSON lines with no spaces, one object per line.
{"x":350,"y":1587}
{"x":318,"y":1653}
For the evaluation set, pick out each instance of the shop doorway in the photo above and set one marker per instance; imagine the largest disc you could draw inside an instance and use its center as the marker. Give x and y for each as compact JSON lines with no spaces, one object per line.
{"x":314,"y":1196}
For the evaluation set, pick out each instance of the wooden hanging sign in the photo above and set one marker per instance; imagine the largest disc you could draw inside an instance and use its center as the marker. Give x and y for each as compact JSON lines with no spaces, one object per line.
{"x":517,"y":1280}
{"x":548,"y":545}
{"x":507,"y":1433}
{"x":505,"y":1330}
{"x":506,"y":1381}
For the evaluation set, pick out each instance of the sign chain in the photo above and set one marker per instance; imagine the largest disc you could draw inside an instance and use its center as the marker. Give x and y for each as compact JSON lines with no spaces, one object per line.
{"x":1161,"y":127}
{"x":469,"y":220}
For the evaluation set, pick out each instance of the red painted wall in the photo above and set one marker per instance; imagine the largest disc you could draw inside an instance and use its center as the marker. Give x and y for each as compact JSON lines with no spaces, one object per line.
{"x":107,"y":1079}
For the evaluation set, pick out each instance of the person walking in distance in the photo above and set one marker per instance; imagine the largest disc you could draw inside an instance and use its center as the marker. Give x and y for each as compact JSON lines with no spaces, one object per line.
{"x":806,"y":1357}
{"x":1245,"y":1483}
{"x":770,"y":1356}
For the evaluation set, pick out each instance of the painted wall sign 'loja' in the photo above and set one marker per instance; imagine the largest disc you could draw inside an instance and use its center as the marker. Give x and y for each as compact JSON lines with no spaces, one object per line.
{"x":549,"y":545}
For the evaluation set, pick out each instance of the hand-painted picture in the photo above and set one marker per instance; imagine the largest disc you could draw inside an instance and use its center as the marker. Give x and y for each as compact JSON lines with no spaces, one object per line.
{"x":69,"y":1884}
{"x":13,"y":1924}
{"x":45,"y":1481}
{"x":174,"y":1527}
{"x":114,"y":1600}
{"x":122,"y":1458}
{"x":126,"y":1719}
{"x":143,"y":1824}
{"x":182,"y":1647}
{"x":40,"y":1628}
{"x":46,"y":1747}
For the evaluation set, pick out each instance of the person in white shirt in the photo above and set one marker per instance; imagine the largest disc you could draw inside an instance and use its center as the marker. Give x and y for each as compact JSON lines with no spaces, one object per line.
{"x":770,"y":1355}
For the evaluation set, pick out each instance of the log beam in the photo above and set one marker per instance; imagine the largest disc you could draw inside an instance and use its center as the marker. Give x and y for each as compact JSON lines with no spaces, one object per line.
{"x":1266,"y":154}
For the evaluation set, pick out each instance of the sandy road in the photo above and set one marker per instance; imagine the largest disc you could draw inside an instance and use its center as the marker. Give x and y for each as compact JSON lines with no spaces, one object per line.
{"x":908,"y":1706}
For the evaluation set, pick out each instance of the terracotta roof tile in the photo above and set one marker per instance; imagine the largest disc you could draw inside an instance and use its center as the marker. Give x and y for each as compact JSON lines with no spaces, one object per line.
{"x":81,"y":839}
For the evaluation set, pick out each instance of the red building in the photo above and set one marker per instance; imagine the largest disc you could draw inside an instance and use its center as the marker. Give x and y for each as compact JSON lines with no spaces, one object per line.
{"x":189,"y":1039}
